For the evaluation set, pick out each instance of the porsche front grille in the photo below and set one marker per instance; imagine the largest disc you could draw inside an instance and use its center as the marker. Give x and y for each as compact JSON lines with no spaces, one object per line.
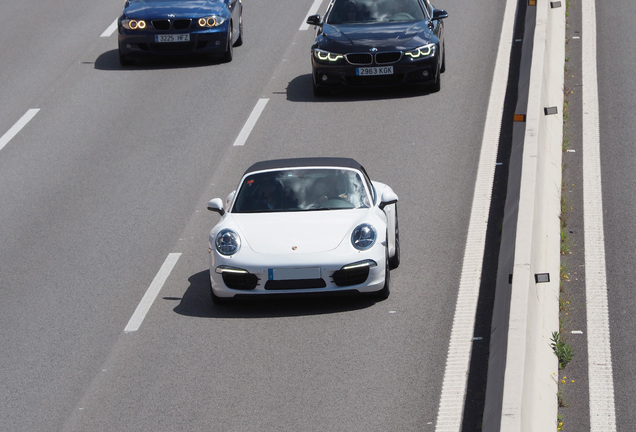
{"x":240,"y":281}
{"x":294,"y":284}
{"x":351,"y":276}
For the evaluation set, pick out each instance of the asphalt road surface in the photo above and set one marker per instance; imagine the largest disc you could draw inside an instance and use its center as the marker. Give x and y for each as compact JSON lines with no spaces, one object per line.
{"x":616,"y":109}
{"x":113,"y":174}
{"x":617,"y":105}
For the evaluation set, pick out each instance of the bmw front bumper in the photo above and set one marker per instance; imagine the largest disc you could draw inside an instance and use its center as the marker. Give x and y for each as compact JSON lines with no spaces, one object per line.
{"x":348,"y":75}
{"x":208,"y":41}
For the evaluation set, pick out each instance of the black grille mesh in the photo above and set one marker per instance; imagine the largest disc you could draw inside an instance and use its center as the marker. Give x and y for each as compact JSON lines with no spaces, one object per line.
{"x":166,"y":24}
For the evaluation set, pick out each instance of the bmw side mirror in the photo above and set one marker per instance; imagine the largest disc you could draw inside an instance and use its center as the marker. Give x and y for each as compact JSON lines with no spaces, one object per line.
{"x":388,"y":197}
{"x":216,"y":205}
{"x":439,"y":14}
{"x":313,"y":20}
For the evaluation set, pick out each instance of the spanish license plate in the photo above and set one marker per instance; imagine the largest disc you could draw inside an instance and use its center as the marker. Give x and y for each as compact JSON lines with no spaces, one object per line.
{"x":374,"y":70}
{"x":182,"y":37}
{"x":294,"y":273}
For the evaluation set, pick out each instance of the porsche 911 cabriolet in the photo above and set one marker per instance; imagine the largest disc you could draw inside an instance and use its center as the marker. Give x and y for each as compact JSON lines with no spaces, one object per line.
{"x":378,"y":42}
{"x":304,"y":226}
{"x":179,"y":27}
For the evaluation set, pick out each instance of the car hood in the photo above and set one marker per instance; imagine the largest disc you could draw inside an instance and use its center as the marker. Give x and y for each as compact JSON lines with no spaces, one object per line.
{"x":345,"y":38}
{"x":307,"y":232}
{"x":171,"y":8}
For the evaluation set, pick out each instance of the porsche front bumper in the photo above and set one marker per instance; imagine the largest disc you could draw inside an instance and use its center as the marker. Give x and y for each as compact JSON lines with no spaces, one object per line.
{"x":359,"y":271}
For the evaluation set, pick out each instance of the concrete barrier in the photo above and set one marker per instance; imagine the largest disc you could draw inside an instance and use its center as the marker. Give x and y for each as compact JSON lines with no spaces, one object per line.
{"x":523,"y":377}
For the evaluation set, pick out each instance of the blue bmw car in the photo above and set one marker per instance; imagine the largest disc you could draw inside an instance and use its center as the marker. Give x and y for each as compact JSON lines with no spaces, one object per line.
{"x":378,"y":42}
{"x":179,"y":27}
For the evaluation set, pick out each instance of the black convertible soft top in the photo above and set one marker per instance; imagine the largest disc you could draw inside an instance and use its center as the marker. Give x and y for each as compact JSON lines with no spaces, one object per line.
{"x":305,"y":162}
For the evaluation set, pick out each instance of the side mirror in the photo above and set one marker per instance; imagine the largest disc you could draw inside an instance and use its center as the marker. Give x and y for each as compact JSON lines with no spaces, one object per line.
{"x":216,"y":205}
{"x":439,"y":14}
{"x":313,"y":20}
{"x":388,"y":197}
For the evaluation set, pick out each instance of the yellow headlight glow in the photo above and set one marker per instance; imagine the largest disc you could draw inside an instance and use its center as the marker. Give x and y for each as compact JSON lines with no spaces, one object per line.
{"x":422,"y":52}
{"x":327,"y":56}
{"x":207,"y":22}
{"x":137,"y":25}
{"x":211,"y":21}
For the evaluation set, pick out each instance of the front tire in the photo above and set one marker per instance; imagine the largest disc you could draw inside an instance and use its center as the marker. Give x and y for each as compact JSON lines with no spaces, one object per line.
{"x":239,"y":41}
{"x":384,"y":293}
{"x":229,"y":52}
{"x":437,"y":85}
{"x":394,"y":261}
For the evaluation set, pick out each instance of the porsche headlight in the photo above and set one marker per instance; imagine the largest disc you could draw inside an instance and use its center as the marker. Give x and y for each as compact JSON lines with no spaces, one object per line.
{"x":211,"y":21}
{"x":132,"y":24}
{"x":227,"y":242}
{"x":327,"y":57}
{"x":363,"y":237}
{"x":422,"y":52}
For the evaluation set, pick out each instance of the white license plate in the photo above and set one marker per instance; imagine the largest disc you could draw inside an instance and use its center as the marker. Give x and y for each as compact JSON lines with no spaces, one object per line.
{"x":375,"y":70}
{"x":183,"y":37}
{"x":294,"y":273}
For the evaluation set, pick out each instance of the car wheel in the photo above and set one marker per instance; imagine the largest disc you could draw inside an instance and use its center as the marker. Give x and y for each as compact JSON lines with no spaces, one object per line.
{"x":384,"y":293}
{"x":229,"y":53}
{"x":394,"y":261}
{"x":239,"y":41}
{"x":437,"y":85}
{"x":443,"y":68}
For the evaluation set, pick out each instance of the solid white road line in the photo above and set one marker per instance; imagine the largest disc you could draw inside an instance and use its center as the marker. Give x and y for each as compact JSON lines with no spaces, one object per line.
{"x":152,"y":292}
{"x":110,"y":30}
{"x":313,"y":10}
{"x":451,"y":406}
{"x":251,"y":122}
{"x":600,"y":374}
{"x":26,"y":118}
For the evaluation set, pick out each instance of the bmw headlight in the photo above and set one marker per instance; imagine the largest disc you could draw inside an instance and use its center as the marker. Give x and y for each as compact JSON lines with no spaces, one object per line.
{"x":133,"y":24}
{"x":227,"y":242}
{"x":327,"y":57}
{"x":422,"y":52}
{"x":363,"y":237}
{"x":211,"y":21}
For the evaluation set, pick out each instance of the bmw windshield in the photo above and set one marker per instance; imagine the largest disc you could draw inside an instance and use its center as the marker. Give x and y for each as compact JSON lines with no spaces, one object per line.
{"x":370,"y":11}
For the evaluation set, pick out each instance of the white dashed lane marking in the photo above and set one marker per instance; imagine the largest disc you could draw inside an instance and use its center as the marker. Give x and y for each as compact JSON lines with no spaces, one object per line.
{"x":17,"y":127}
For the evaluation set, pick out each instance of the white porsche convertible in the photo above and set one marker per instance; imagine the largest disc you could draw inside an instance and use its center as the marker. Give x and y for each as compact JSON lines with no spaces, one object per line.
{"x":304,"y":226}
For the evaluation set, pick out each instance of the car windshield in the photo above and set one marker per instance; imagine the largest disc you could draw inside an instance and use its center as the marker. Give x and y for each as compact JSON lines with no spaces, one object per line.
{"x":370,"y":11}
{"x":301,"y":190}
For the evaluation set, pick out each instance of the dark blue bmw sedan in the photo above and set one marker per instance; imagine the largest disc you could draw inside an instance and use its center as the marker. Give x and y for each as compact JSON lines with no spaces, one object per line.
{"x":179,"y":27}
{"x":378,"y":42}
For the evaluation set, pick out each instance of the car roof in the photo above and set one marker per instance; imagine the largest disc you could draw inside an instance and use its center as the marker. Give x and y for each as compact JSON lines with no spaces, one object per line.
{"x":305,"y":162}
